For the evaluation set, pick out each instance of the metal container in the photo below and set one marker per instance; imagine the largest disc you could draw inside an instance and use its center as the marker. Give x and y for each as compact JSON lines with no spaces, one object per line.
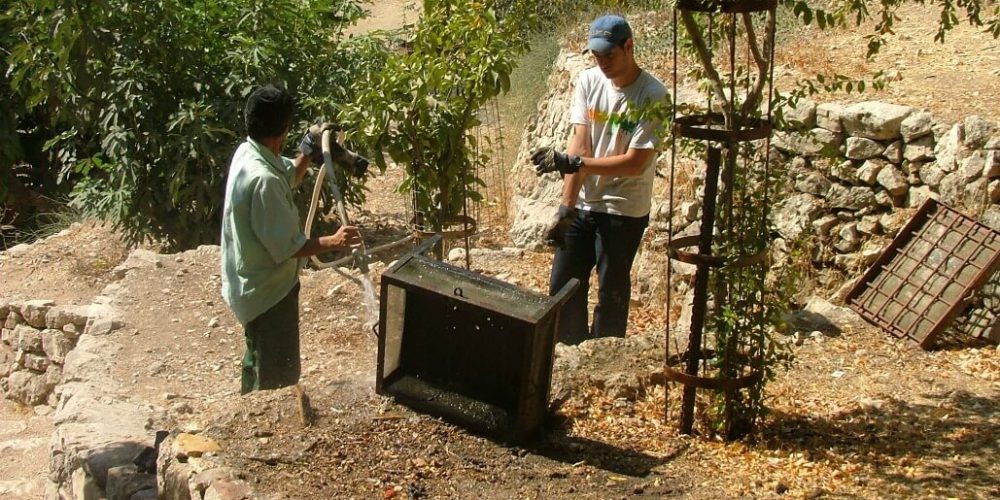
{"x":471,"y":349}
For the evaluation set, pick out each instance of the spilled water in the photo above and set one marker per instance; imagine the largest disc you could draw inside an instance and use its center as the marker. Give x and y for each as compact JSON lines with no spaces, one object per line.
{"x":370,"y":300}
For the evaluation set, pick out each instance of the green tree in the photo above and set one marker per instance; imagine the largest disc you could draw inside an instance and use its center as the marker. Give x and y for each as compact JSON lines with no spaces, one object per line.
{"x":421,"y":108}
{"x":142,"y":101}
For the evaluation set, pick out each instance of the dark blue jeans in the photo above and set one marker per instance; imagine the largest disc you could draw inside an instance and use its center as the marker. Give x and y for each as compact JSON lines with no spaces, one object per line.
{"x":609,"y":242}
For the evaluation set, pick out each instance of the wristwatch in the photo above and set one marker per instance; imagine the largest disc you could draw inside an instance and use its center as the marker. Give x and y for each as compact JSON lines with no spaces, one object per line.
{"x":575,"y":162}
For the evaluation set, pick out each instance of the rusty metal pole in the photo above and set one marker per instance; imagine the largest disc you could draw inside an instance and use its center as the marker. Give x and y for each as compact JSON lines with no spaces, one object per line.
{"x":702,"y":275}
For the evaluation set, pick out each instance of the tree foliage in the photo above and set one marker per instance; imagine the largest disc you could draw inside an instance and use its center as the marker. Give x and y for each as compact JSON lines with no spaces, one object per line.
{"x":422,"y":107}
{"x":141,"y":102}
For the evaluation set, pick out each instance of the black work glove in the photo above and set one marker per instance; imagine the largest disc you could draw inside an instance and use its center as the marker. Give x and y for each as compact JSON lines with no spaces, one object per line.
{"x":311,"y":144}
{"x":549,"y":160}
{"x":556,"y":235}
{"x":360,"y":166}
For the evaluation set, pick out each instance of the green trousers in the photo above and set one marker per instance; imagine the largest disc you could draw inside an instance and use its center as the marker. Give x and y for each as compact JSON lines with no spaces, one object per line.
{"x":272,"y":357}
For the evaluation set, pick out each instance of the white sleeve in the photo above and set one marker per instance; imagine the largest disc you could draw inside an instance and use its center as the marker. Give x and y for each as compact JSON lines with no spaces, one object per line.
{"x":578,"y":108}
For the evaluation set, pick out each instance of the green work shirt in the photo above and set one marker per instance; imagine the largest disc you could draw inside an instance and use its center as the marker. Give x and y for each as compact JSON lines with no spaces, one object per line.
{"x":260,"y":231}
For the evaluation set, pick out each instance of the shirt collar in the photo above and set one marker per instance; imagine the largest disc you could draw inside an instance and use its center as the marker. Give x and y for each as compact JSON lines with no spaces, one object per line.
{"x":267,"y":154}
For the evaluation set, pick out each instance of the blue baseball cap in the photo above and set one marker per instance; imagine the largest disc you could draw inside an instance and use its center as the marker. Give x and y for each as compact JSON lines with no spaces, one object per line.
{"x":607,"y":32}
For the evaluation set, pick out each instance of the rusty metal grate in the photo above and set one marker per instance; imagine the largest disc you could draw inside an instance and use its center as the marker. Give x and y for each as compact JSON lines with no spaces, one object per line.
{"x":924,"y":278}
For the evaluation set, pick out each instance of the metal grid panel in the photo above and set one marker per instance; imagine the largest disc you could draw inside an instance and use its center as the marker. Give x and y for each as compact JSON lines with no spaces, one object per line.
{"x":922,"y":280}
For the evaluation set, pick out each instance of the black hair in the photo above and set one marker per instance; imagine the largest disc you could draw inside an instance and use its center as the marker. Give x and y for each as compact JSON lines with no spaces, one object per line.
{"x":268,"y":112}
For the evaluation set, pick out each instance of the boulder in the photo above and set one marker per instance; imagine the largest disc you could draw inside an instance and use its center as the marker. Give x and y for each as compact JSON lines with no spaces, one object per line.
{"x":950,"y":148}
{"x":920,"y":149}
{"x":850,"y":198}
{"x":801,"y":116}
{"x":931,"y":174}
{"x":34,"y":311}
{"x":56,"y":344}
{"x":894,"y":181}
{"x":978,"y":132}
{"x":828,"y":116}
{"x":860,"y":148}
{"x":27,"y":339}
{"x":811,"y":143}
{"x":868,"y":172}
{"x":918,"y":124}
{"x":894,"y":152}
{"x":874,"y":120}
{"x":27,"y":387}
{"x":812,"y":183}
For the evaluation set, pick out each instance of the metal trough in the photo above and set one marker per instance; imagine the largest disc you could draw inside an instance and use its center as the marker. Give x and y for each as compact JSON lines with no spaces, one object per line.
{"x":471,"y":349}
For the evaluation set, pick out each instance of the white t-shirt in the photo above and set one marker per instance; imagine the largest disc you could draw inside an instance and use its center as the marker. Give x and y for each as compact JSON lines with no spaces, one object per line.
{"x":604,"y":108}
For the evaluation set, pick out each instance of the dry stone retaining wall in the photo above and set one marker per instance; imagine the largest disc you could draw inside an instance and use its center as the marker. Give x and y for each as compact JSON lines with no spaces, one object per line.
{"x":856,"y":173}
{"x":34,"y":341}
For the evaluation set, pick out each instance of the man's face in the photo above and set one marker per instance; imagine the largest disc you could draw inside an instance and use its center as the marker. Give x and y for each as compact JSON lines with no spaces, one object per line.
{"x":614,"y":63}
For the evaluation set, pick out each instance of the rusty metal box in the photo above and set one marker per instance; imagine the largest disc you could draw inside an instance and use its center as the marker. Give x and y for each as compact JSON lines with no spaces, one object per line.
{"x":468,"y":348}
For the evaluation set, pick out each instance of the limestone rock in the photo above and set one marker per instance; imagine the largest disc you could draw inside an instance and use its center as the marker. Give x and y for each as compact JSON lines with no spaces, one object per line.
{"x":812,"y":183}
{"x":991,"y":168}
{"x":894,"y":152}
{"x":193,"y":445}
{"x":27,"y":387}
{"x":918,"y":195}
{"x":138,"y":258}
{"x":950,"y":148}
{"x":920,"y":149}
{"x":874,"y":120}
{"x":802,"y":116}
{"x":814,"y":142}
{"x":101,"y":460}
{"x":59,"y":317}
{"x":931,"y":174}
{"x":860,"y":148}
{"x":793,"y":214}
{"x":916,"y":125}
{"x":978,"y":131}
{"x":27,"y":339}
{"x":973,"y":166}
{"x":893,"y":180}
{"x":125,"y":481}
{"x":34,"y":311}
{"x":36,"y":362}
{"x":56,"y":344}
{"x":868,"y":171}
{"x":844,"y":171}
{"x":828,"y":116}
{"x":850,"y":198}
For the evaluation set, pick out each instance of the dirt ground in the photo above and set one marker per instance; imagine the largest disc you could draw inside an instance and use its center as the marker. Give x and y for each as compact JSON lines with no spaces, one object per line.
{"x":859,"y":415}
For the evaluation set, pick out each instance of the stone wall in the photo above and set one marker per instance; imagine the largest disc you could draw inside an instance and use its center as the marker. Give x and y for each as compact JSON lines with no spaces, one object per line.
{"x":857,"y":172}
{"x":35,"y":339}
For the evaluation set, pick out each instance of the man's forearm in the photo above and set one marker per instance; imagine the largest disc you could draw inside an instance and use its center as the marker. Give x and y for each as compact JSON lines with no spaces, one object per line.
{"x":302,"y":163}
{"x":629,"y":164}
{"x":315,"y":246}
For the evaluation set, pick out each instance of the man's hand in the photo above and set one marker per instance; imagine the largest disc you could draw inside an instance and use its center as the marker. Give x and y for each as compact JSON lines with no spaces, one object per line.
{"x":346,"y":238}
{"x":360,"y":166}
{"x":556,"y":235}
{"x":311,"y":144}
{"x":549,"y":160}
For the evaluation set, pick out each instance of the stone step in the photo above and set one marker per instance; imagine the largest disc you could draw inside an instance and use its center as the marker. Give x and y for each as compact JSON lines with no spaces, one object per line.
{"x":24,"y":452}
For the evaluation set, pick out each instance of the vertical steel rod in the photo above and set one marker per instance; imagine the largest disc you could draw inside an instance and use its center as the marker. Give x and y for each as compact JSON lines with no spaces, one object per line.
{"x":698,"y":308}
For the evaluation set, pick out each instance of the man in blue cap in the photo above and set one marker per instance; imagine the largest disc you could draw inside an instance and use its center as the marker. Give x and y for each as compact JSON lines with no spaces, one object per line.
{"x":608,"y":171}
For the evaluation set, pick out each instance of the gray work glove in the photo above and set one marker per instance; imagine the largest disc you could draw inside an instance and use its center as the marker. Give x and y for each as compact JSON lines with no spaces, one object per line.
{"x":549,"y":160}
{"x":311,"y":144}
{"x":556,"y":235}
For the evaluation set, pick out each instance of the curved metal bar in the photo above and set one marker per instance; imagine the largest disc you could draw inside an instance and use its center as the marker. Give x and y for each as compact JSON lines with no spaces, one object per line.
{"x":695,"y":127}
{"x":727,"y":6}
{"x":674,"y":252}
{"x":713,"y":383}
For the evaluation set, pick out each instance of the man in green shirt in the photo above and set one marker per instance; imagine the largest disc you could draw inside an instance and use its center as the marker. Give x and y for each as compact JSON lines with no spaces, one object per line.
{"x":262,"y":242}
